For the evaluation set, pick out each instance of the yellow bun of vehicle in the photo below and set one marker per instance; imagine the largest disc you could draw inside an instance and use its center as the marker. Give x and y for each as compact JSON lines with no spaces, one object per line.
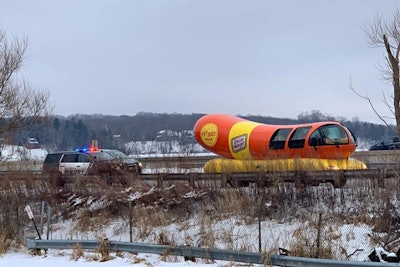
{"x":220,"y":165}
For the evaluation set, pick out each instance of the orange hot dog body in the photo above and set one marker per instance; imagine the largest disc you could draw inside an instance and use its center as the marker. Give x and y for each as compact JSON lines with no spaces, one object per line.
{"x":236,"y":138}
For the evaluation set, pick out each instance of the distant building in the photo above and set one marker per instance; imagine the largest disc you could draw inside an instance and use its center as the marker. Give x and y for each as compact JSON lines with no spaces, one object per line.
{"x":31,"y":143}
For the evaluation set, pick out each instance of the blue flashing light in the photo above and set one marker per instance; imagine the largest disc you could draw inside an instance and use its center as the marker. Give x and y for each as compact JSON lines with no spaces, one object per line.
{"x":86,"y":149}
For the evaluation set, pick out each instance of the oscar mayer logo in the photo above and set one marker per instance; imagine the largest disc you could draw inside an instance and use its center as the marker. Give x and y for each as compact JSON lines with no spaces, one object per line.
{"x":209,"y":134}
{"x":239,"y":143}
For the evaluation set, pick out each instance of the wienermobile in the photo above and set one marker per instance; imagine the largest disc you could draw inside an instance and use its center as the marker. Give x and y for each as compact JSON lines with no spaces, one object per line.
{"x":248,"y":146}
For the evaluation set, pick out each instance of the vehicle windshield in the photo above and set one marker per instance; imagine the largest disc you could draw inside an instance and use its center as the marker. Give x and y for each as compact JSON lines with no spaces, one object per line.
{"x":116,"y":154}
{"x":99,"y":155}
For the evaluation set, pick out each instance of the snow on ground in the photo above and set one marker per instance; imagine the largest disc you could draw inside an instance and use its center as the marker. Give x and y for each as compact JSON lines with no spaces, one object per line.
{"x":23,"y":259}
{"x":63,"y":259}
{"x":278,"y":232}
{"x":146,"y":149}
{"x":141,"y":148}
{"x":230,"y":233}
{"x":18,"y":153}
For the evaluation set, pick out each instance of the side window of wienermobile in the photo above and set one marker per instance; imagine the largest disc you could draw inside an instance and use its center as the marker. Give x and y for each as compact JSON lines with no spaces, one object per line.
{"x":298,"y":138}
{"x":329,"y":135}
{"x":315,"y":139}
{"x":278,"y":139}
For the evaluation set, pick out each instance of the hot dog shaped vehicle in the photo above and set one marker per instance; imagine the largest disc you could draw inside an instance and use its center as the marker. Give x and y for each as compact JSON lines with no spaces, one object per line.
{"x":248,"y":146}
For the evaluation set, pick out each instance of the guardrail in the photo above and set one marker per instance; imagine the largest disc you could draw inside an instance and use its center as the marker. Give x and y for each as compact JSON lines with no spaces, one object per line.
{"x":384,"y":164}
{"x":197,"y":252}
{"x":289,"y":261}
{"x":338,"y":178}
{"x":374,"y":160}
{"x":185,"y":251}
{"x":379,"y":158}
{"x":21,"y":166}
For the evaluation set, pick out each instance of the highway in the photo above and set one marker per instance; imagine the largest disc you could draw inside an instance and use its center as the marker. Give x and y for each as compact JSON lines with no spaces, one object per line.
{"x":163,"y":171}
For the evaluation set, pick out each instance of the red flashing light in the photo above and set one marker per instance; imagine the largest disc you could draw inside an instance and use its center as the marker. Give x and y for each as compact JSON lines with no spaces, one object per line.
{"x":87,"y":149}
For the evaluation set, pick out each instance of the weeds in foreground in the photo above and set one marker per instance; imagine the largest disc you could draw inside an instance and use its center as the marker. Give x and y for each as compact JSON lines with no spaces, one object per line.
{"x":316,"y":238}
{"x":104,"y":250}
{"x":360,"y":202}
{"x":77,"y":252}
{"x":4,"y":244}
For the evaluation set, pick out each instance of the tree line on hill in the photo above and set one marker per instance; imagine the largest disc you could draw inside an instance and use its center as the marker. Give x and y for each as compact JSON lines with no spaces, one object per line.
{"x":66,"y":133}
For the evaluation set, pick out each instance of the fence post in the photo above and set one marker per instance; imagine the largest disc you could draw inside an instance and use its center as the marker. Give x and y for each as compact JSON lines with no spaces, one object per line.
{"x":48,"y":221}
{"x":130,"y":212}
{"x":160,"y":180}
{"x":192,"y":178}
{"x":42,"y":217}
{"x":224,"y":180}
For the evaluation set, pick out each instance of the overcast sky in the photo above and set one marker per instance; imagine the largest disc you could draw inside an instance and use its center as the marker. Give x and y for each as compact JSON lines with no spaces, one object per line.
{"x":274,"y":58}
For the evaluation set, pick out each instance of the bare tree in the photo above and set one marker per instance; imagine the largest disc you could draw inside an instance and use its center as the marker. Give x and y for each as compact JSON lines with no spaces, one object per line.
{"x":20,"y":105}
{"x":386,"y":33}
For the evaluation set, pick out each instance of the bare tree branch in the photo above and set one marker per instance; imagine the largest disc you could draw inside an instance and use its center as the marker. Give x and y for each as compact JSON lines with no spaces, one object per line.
{"x":381,"y":33}
{"x":20,"y":105}
{"x":382,"y":118}
{"x":389,"y":106}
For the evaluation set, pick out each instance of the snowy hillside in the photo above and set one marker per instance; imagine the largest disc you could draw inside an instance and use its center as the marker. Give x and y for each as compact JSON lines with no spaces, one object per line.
{"x":163,"y":147}
{"x":19,"y":153}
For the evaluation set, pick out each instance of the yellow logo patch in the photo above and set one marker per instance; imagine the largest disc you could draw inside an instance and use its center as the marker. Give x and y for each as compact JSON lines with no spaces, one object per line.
{"x":209,"y":134}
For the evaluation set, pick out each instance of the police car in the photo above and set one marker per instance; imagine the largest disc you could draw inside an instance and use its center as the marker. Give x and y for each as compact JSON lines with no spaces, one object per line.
{"x":90,"y":161}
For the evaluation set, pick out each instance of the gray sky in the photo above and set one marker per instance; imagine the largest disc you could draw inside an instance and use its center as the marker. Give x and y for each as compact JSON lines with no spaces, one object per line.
{"x":258,"y":57}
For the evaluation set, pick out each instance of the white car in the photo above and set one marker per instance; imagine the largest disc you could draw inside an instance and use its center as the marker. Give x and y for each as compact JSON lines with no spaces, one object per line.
{"x":67,"y":162}
{"x":90,"y":162}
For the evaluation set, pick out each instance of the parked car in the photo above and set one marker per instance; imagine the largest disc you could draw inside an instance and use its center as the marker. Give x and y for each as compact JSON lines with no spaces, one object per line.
{"x":109,"y":160}
{"x":65,"y":162}
{"x":387,"y":144}
{"x":85,"y":161}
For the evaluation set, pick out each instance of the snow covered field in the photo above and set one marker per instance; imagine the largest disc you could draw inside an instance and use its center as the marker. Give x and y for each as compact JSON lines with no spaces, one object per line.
{"x":353,"y":238}
{"x":18,"y":153}
{"x":63,"y":259}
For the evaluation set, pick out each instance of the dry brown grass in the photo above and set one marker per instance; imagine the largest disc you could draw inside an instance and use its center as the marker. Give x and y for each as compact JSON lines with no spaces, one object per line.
{"x":145,"y":219}
{"x":5,"y":244}
{"x":361,"y":201}
{"x":318,"y":238}
{"x":104,"y":250}
{"x":206,"y":232}
{"x":77,"y":252}
{"x":234,"y":201}
{"x":12,"y":215}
